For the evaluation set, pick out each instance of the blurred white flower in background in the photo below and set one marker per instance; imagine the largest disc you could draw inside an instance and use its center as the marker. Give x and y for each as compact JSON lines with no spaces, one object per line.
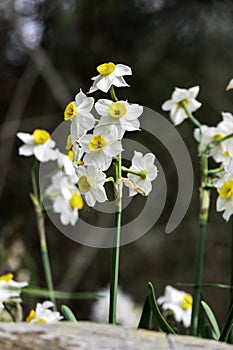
{"x":128,"y":312}
{"x":10,"y":290}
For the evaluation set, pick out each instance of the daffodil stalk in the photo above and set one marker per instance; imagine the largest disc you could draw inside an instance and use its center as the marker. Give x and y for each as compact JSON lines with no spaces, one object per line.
{"x":117,"y":238}
{"x":42,"y":236}
{"x":203,"y":220}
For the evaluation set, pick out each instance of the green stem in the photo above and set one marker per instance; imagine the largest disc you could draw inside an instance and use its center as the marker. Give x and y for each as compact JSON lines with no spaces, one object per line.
{"x":42,"y":236}
{"x":203,"y":220}
{"x":134,"y":172}
{"x":115,"y":250}
{"x":189,"y":114}
{"x":110,"y":179}
{"x":199,"y":262}
{"x":216,"y":142}
{"x":113,"y":94}
{"x":33,"y":178}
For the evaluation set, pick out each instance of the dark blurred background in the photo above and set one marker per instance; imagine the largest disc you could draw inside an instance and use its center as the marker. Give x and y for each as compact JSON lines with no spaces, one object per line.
{"x":49,"y":50}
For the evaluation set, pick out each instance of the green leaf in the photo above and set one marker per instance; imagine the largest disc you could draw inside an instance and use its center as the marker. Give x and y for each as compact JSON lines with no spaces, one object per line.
{"x":58,"y":294}
{"x":163,"y":325}
{"x":212,"y":320}
{"x":227,"y":325}
{"x":68,"y":314}
{"x":145,"y":319}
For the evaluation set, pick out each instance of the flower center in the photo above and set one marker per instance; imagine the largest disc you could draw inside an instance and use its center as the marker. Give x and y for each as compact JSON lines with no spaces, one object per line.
{"x":180,"y":103}
{"x":41,"y":136}
{"x":217,"y":136}
{"x":7,"y":277}
{"x":117,"y":109}
{"x":226,"y":191}
{"x":143,"y":174}
{"x":226,"y":154}
{"x":84,"y":184}
{"x":76,"y":201}
{"x":187,"y":302}
{"x":31,"y":316}
{"x":106,"y":68}
{"x":97,"y":143}
{"x":70,"y":111}
{"x":71,"y":155}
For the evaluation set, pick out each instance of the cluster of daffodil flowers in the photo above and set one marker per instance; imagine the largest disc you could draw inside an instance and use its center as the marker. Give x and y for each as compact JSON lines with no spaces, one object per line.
{"x":92,"y":145}
{"x":10,"y":300}
{"x":214,"y":142}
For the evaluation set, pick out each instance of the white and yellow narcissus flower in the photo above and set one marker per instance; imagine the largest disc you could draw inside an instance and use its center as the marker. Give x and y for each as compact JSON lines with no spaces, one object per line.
{"x":188,"y":96}
{"x":110,"y":74}
{"x":145,"y":166}
{"x":91,"y":184}
{"x":179,"y":302}
{"x":9,"y":289}
{"x":122,"y":114}
{"x":78,"y":112}
{"x":128,"y":313}
{"x":42,"y":314}
{"x":225,"y":192}
{"x":66,"y":199}
{"x":38,"y":144}
{"x":101,"y":147}
{"x":209,"y":134}
{"x":222,"y":152}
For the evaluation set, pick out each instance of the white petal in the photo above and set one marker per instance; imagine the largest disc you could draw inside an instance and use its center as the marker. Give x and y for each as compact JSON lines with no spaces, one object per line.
{"x":167,"y":105}
{"x":230,"y":85}
{"x":26,"y":150}
{"x":26,"y":138}
{"x":193,"y":105}
{"x":122,"y":69}
{"x":193,"y":91}
{"x":105,"y":83}
{"x":102,"y":105}
{"x":119,"y":82}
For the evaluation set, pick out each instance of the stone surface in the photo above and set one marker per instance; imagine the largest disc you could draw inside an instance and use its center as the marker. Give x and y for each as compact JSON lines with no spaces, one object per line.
{"x":87,"y":335}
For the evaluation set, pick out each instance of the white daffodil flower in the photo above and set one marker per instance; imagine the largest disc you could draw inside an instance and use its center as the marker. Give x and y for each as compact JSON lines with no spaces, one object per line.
{"x":38,"y":144}
{"x":78,"y":112}
{"x":65,"y":161}
{"x":179,"y":302}
{"x":91,"y":184}
{"x":145,"y":166}
{"x":128,"y":312}
{"x":42,"y":314}
{"x":225,"y":192}
{"x":101,"y":147}
{"x":230,"y":85}
{"x":188,"y":96}
{"x":122,"y":114}
{"x":66,"y":199}
{"x":10,"y":290}
{"x":220,"y":152}
{"x":110,"y":74}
